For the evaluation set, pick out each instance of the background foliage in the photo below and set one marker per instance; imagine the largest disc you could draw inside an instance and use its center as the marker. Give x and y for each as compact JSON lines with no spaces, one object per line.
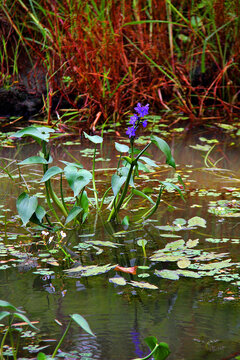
{"x":106,"y":55}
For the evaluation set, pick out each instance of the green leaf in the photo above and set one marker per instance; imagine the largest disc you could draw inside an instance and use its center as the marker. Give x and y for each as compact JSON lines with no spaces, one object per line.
{"x":121,"y":148}
{"x":197,"y":221}
{"x":143,"y":195}
{"x":79,"y":166}
{"x":6,"y":304}
{"x":95,"y":138}
{"x":174,"y":245}
{"x":183,"y":263}
{"x":40,"y":213}
{"x":41,"y":356}
{"x":25,"y":319}
{"x":118,"y":280}
{"x":174,"y":186}
{"x":148,"y":161}
{"x":39,"y":133}
{"x":151,"y":342}
{"x":54,"y":170}
{"x":163,"y":146}
{"x":117,"y":182}
{"x":188,"y":273}
{"x":84,"y":201}
{"x":162,"y":349}
{"x":125,"y":221}
{"x":142,"y":242}
{"x":167,"y":274}
{"x":91,"y":270}
{"x":34,"y":160}
{"x":102,"y":243}
{"x":82,"y":323}
{"x":77,"y":179}
{"x":3,"y":314}
{"x":143,"y":285}
{"x":26,"y":207}
{"x":73,"y":213}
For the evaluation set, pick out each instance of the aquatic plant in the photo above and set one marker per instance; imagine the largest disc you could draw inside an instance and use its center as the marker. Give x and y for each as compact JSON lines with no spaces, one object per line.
{"x":11,"y":312}
{"x":159,"y":351}
{"x":17,"y":313}
{"x":122,"y":182}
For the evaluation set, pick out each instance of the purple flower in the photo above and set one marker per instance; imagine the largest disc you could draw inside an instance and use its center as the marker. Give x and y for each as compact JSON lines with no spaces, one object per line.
{"x":142,"y":110}
{"x":133,"y":119}
{"x":131,"y":132}
{"x":144,"y":123}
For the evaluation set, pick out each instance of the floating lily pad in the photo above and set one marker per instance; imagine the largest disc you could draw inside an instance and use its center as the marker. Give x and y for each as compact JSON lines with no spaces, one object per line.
{"x":143,"y":285}
{"x":167,"y":274}
{"x":118,"y":280}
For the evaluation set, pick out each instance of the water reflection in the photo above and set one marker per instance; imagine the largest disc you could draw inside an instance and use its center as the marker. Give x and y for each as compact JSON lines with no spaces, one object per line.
{"x":192,"y":316}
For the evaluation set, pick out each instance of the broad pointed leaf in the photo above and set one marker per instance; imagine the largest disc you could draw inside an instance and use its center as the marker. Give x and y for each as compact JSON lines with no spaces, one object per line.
{"x":25,"y":319}
{"x":95,"y":138}
{"x":162,"y":350}
{"x":39,"y":133}
{"x":4,"y":314}
{"x":164,"y":147}
{"x":77,"y":165}
{"x":143,"y":195}
{"x":77,"y":179}
{"x":121,"y":147}
{"x":52,"y":171}
{"x":82,"y":323}
{"x":84,"y":201}
{"x":73,"y":213}
{"x":117,"y":182}
{"x":6,"y":304}
{"x":26,"y":206}
{"x":148,"y":161}
{"x":34,"y":160}
{"x":174,"y":186}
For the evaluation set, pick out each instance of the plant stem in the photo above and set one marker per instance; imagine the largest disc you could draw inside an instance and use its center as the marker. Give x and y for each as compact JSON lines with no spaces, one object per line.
{"x":62,"y":338}
{"x":93,"y":178}
{"x":114,"y":211}
{"x":149,"y":355}
{"x":2,"y":344}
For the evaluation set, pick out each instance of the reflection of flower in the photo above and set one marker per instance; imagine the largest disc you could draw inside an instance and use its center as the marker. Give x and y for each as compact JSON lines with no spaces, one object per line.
{"x":137,"y":343}
{"x":136,"y":120}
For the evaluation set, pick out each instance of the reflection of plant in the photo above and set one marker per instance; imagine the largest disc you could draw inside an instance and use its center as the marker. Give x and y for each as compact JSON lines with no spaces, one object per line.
{"x":122,"y":182}
{"x":159,"y":351}
{"x":11,"y":312}
{"x":19,"y":314}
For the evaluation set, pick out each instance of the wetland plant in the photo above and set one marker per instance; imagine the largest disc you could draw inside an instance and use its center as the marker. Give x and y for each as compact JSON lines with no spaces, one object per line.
{"x":10,"y":312}
{"x":159,"y":351}
{"x":122,"y":182}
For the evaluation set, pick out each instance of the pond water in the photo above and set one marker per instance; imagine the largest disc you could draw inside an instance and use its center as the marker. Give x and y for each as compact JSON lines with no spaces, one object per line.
{"x":198,"y":317}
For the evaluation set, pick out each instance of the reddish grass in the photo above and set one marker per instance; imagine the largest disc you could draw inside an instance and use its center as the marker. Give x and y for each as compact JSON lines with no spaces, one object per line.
{"x":113,"y":66}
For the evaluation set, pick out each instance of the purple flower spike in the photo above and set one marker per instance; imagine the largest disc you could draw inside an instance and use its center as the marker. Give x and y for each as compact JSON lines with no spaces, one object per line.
{"x":131,"y":132}
{"x":144,"y":123}
{"x":133,"y":119}
{"x":142,"y":110}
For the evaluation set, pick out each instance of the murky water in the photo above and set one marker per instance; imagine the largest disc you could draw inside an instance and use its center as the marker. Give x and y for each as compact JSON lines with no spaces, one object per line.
{"x":198,"y":318}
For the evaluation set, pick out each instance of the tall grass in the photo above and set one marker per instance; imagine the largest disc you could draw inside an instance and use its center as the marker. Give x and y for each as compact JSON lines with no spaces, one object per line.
{"x":178,"y":55}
